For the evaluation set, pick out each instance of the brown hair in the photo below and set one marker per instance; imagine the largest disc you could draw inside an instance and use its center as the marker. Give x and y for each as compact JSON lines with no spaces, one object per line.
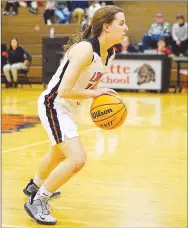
{"x":103,"y":15}
{"x":14,"y":38}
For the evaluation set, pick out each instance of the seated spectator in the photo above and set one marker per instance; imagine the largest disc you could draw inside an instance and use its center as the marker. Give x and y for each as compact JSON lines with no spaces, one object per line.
{"x":62,"y":12}
{"x":49,"y":11}
{"x":161,"y":47}
{"x":126,"y":47}
{"x":11,"y":4}
{"x":159,"y":29}
{"x":180,"y":36}
{"x":78,"y":11}
{"x":4,"y":55}
{"x":92,"y":9}
{"x":18,"y":58}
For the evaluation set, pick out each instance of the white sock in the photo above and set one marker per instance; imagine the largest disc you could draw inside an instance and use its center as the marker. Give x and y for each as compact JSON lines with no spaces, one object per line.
{"x":43,"y":194}
{"x":37,"y":180}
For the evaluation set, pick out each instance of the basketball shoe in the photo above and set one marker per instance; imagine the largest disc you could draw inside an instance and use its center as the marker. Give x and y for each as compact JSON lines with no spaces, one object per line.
{"x":39,"y":211}
{"x":33,"y":188}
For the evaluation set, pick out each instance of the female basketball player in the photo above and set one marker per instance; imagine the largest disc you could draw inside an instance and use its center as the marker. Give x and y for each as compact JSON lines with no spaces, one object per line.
{"x":76,"y":78}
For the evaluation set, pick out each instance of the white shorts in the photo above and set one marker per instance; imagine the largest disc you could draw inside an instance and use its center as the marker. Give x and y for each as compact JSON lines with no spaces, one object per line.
{"x":57,"y":121}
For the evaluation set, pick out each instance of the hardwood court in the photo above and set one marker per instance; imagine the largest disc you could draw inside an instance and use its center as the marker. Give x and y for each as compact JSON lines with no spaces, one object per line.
{"x":135,"y":176}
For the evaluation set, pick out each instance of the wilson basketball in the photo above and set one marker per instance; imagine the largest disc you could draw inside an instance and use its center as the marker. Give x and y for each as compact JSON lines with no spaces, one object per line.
{"x":108,"y":111}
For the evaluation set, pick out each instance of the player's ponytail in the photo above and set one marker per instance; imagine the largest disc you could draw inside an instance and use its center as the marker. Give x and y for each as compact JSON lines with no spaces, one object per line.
{"x":87,"y":32}
{"x":76,"y":38}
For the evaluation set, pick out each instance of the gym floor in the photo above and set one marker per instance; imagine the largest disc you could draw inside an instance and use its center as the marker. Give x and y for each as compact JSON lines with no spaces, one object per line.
{"x":135,"y":177}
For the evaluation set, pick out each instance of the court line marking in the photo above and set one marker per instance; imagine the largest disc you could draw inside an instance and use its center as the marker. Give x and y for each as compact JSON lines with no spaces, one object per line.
{"x":45,"y":141}
{"x":14,"y":226}
{"x":19,"y":102}
{"x":85,"y":131}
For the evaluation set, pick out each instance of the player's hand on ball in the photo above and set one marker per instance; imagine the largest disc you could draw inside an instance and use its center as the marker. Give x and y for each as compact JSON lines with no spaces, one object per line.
{"x":98,"y":92}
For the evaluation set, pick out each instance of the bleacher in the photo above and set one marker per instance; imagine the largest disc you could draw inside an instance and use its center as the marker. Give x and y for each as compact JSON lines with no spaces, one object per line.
{"x":139,"y":16}
{"x":23,"y":27}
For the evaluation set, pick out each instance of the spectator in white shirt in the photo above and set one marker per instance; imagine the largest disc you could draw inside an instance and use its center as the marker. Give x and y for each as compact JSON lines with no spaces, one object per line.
{"x":180,"y":36}
{"x":92,"y":9}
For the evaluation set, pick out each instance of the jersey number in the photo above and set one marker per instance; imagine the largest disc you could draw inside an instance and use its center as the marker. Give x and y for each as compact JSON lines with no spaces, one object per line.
{"x":96,"y":77}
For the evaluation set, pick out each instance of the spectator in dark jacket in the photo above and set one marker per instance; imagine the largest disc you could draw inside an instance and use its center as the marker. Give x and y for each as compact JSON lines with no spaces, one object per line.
{"x":18,"y":58}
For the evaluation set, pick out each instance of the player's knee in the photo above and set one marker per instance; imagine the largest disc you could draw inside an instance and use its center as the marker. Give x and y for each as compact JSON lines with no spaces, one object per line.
{"x":79,"y":163}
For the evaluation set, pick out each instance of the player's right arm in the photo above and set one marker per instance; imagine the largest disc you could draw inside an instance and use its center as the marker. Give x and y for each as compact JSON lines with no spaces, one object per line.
{"x":80,"y":56}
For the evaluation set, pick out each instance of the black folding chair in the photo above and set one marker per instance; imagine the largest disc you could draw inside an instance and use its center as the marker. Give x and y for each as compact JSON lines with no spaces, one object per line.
{"x":23,"y":76}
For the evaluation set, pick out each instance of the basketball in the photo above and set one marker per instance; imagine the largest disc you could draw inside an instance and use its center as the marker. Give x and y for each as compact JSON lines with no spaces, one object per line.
{"x":108,"y":111}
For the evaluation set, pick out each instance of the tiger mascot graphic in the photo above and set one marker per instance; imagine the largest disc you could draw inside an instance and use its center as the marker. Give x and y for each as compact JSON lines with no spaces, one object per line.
{"x":145,"y":74}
